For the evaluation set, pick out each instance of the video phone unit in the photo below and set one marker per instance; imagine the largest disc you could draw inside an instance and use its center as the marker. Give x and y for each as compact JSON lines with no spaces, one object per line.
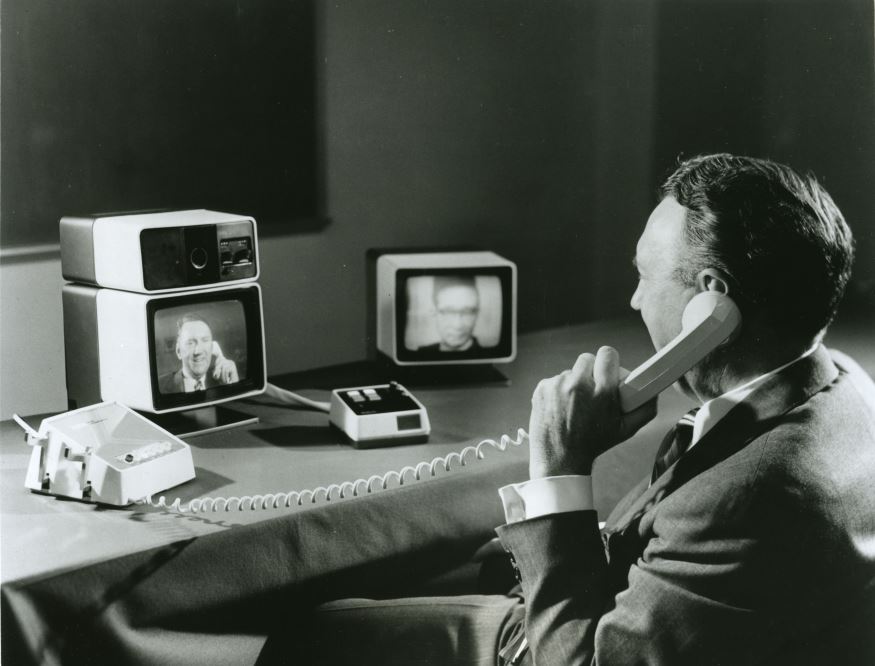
{"x":159,"y":353}
{"x":157,"y":252}
{"x":444,"y":308}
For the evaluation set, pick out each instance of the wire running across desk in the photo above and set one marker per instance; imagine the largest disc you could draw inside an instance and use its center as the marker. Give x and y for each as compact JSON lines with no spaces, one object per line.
{"x":86,"y":584}
{"x":82,"y":582}
{"x":342,"y":490}
{"x":295,"y":449}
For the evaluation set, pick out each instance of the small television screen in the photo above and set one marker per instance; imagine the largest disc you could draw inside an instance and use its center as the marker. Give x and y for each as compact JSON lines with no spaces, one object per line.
{"x":452,"y":315}
{"x":446,"y":308}
{"x":204,"y":347}
{"x":163,"y":353}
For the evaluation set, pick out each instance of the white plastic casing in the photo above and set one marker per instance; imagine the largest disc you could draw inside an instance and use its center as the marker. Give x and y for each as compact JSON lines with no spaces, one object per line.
{"x":106,"y":453}
{"x":381,"y":425}
{"x":106,"y":251}
{"x":388,"y":266}
{"x":123,"y":344}
{"x":116,"y":323}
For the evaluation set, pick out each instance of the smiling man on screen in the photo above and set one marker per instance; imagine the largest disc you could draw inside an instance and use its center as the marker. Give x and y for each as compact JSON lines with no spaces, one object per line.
{"x":202,"y":364}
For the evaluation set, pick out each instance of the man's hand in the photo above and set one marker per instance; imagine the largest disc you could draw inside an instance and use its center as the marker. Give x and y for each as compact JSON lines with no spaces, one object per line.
{"x":576,"y":416}
{"x":224,"y":370}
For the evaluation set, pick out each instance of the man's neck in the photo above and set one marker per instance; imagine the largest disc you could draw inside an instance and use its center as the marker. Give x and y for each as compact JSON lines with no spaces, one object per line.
{"x":726,"y":370}
{"x":189,"y":375}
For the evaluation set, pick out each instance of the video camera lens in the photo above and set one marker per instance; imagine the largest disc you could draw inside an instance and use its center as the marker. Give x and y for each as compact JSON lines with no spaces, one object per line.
{"x":199,"y":258}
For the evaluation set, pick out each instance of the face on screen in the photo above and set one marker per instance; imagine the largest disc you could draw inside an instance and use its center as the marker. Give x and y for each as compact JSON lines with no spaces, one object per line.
{"x":194,"y":346}
{"x":200,"y":346}
{"x":456,"y":310}
{"x":453,"y":314}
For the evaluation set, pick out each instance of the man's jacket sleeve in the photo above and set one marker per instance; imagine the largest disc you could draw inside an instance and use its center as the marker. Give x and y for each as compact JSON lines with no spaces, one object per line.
{"x":665,"y":615}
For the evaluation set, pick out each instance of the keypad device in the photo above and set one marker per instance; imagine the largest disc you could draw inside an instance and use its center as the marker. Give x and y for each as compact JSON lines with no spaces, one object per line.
{"x":379,"y":415}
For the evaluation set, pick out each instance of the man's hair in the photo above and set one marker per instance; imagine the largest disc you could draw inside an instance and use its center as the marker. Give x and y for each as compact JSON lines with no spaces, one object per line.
{"x":442,"y":282}
{"x":777,"y":235}
{"x":190,"y":317}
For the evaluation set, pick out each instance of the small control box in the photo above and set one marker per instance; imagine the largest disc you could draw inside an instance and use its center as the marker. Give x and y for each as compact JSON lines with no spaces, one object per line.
{"x":381,"y":415}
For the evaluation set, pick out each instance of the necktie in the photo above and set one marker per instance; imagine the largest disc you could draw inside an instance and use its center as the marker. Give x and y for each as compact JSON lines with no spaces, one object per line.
{"x":199,"y":385}
{"x":675,"y":443}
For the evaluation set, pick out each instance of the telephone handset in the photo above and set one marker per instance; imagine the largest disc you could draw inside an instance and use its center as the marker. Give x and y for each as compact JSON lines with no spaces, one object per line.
{"x":709,"y":319}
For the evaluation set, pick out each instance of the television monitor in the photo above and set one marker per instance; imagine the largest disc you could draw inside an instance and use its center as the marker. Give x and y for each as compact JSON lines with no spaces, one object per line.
{"x":445,"y":308}
{"x":163,"y":353}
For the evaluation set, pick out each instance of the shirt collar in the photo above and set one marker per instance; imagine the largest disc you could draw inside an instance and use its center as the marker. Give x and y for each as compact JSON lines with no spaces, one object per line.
{"x":715,"y":409}
{"x":190,"y":382}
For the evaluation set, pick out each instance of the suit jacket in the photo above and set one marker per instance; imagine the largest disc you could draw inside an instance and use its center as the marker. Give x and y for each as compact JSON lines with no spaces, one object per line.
{"x":174,"y":382}
{"x":757,"y":546}
{"x":436,"y":348}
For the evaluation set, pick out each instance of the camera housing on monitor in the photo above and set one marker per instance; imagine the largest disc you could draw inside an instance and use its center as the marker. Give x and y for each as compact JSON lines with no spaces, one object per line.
{"x":155,"y":252}
{"x":445,"y":308}
{"x":163,"y":353}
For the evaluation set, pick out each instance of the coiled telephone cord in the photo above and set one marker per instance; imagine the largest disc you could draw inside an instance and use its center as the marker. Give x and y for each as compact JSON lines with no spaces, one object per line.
{"x":339,"y":491}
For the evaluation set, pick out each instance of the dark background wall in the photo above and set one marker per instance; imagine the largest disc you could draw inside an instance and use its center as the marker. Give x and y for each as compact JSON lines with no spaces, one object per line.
{"x":790,"y":80}
{"x":539,"y":130}
{"x":145,"y":104}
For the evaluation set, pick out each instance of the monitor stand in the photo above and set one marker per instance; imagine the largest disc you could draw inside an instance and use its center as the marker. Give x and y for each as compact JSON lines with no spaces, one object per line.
{"x":427,"y":376}
{"x":382,"y":371}
{"x":201,"y":421}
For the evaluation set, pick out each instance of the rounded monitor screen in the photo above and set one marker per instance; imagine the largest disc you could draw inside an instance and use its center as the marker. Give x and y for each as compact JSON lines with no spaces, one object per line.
{"x":455,"y":315}
{"x":200,"y":346}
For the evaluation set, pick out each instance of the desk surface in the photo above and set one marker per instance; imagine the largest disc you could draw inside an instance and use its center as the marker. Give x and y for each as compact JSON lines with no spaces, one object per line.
{"x":293,"y":449}
{"x":217,"y":588}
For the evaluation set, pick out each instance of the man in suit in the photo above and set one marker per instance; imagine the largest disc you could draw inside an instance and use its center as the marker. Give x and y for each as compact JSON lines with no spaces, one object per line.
{"x":753,"y":539}
{"x":202,"y":364}
{"x":456,"y":306}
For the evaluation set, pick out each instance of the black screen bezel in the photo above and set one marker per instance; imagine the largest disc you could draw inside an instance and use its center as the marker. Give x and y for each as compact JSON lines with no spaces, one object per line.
{"x":250,"y":298}
{"x":502,"y":351}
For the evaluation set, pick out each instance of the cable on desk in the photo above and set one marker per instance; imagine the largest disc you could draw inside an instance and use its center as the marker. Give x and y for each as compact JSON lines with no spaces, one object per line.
{"x":291,"y":398}
{"x":342,"y":490}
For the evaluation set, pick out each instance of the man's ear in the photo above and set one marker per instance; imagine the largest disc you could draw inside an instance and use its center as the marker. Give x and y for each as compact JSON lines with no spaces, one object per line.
{"x":712,"y":279}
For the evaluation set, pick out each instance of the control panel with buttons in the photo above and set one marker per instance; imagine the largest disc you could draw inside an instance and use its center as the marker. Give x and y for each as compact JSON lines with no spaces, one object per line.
{"x":380,"y":415}
{"x":144,"y":453}
{"x":236,"y":257}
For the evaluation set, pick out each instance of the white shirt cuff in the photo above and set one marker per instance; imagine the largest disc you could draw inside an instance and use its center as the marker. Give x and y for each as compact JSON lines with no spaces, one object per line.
{"x":540,"y":497}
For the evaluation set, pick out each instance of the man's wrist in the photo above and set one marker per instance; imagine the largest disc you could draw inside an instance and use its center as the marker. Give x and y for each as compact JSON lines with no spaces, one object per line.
{"x":577,"y":468}
{"x":549,"y":495}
